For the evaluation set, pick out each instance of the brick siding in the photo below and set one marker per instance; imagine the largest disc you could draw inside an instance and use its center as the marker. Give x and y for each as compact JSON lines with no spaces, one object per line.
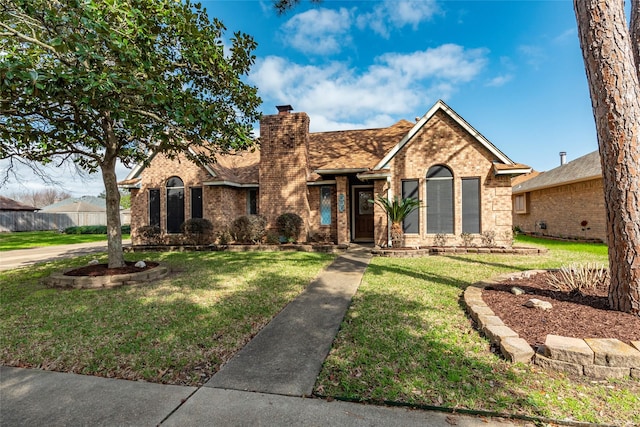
{"x":563,"y":208}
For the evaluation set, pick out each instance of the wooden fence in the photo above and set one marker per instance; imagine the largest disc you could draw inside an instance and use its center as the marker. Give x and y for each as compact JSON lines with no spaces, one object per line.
{"x":42,"y":221}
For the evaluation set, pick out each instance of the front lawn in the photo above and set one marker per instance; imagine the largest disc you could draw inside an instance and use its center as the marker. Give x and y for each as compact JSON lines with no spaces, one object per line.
{"x":32,"y":239}
{"x":407,"y":340}
{"x":177,"y":330}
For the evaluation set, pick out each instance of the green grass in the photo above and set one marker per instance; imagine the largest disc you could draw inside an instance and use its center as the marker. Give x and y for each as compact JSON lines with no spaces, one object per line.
{"x":177,"y":330}
{"x":32,"y":239}
{"x":589,"y":248}
{"x":406,"y":339}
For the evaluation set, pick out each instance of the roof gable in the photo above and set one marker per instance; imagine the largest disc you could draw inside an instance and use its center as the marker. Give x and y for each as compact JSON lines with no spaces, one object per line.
{"x":581,"y":169}
{"x":441,"y":106}
{"x":7,"y":204}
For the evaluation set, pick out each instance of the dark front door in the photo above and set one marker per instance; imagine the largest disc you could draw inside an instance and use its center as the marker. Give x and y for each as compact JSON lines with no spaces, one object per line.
{"x":362,"y":214}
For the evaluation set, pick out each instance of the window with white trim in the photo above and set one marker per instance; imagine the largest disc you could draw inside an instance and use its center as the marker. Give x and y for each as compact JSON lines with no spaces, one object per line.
{"x":520,"y":203}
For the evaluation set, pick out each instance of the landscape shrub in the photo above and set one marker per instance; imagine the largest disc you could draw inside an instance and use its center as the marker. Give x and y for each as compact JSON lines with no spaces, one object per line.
{"x":575,"y":277}
{"x":467,"y":239}
{"x":149,"y":234}
{"x":488,"y":238}
{"x":94,"y":229}
{"x":440,"y":239}
{"x":197,"y":231}
{"x":249,"y":229}
{"x":290,"y":226}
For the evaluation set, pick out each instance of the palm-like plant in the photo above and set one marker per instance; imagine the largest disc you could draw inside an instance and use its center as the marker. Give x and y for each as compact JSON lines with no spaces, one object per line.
{"x":397,"y":210}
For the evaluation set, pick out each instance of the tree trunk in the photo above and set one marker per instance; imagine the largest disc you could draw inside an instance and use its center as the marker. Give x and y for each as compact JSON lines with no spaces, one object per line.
{"x":615,"y":97}
{"x":108,"y":168}
{"x":396,"y":234}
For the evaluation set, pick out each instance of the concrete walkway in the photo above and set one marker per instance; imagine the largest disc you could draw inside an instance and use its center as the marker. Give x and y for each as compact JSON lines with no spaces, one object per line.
{"x":10,"y":260}
{"x":263,"y":385}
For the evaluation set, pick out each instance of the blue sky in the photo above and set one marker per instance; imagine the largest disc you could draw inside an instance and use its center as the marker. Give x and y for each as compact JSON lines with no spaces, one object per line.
{"x":512,"y":69}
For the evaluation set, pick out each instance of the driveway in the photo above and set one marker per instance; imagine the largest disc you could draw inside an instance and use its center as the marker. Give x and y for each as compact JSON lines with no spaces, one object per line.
{"x":25,"y":257}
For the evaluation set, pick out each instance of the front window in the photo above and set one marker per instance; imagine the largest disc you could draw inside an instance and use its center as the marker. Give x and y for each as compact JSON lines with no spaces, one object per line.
{"x":411,"y":223}
{"x":154,"y":207}
{"x":196,"y":202}
{"x":325,"y":205}
{"x":471,"y":205}
{"x":252,"y":202}
{"x":439,"y":200}
{"x":175,"y":204}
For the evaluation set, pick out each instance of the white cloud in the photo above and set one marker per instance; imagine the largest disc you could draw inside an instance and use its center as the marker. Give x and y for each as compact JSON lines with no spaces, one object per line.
{"x":500,"y":80}
{"x":393,"y":14}
{"x":319,"y":31}
{"x":534,"y":55}
{"x":395,"y":85}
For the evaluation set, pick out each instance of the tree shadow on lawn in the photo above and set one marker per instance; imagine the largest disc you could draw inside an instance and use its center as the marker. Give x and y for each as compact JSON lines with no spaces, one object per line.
{"x":391,"y":350}
{"x":422,"y":272}
{"x":169,"y":331}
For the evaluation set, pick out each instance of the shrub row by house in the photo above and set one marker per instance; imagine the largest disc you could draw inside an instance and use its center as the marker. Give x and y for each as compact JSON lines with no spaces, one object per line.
{"x":246,"y":229}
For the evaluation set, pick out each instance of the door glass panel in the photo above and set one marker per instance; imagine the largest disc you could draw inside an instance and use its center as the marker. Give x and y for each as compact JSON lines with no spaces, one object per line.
{"x":365,"y":207}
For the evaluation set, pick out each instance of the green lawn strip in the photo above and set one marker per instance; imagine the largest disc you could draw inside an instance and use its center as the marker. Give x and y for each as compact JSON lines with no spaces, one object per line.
{"x":591,"y":248}
{"x":32,"y":239}
{"x":407,"y":339}
{"x":177,"y":330}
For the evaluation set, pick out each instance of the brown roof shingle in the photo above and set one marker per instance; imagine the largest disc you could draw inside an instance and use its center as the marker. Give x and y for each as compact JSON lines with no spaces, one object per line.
{"x":354,"y":149}
{"x":7,"y":204}
{"x":581,"y":169}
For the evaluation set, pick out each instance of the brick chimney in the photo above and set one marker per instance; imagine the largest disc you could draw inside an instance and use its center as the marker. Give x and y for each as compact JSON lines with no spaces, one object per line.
{"x":284,"y":148}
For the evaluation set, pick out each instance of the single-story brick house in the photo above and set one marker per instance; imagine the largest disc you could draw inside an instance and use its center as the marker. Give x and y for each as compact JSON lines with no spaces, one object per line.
{"x":462,"y":180}
{"x":567,"y":201}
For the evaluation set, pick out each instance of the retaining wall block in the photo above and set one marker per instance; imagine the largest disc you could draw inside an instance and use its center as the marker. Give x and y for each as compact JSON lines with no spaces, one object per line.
{"x":613,"y":352}
{"x":558,"y":365}
{"x":602,"y":372}
{"x":516,"y":349}
{"x":497,"y":333}
{"x":566,"y":349}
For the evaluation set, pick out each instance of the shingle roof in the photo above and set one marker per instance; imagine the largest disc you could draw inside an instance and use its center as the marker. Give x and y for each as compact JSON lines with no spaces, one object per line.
{"x":354,"y":149}
{"x":581,"y":169}
{"x":241,"y":168}
{"x":7,"y":204}
{"x":78,"y":204}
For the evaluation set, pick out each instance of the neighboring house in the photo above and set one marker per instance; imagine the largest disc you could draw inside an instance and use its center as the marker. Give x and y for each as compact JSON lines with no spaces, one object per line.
{"x":10,"y":205}
{"x":85,"y":210}
{"x":329,"y":178}
{"x":567,"y":201}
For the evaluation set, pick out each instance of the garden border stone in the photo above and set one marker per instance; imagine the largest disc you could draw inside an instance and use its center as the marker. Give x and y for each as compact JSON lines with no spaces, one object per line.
{"x":593,"y":357}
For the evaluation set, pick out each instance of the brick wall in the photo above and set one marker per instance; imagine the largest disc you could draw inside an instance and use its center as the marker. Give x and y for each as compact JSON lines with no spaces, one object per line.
{"x":284,"y":147}
{"x":442,"y":141}
{"x":563,"y":208}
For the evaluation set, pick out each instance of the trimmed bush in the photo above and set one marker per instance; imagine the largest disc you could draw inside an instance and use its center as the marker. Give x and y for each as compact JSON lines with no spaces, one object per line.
{"x":290,"y":226}
{"x":149,"y":234}
{"x":94,"y":229}
{"x":197,"y":231}
{"x":249,"y":229}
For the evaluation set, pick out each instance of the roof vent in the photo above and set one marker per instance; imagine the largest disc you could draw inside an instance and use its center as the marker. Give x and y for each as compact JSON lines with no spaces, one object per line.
{"x":284,"y":109}
{"x":563,"y":157}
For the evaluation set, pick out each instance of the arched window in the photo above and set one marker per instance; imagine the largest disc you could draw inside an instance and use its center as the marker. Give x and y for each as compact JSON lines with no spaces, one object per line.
{"x":439,"y":200}
{"x":175,"y":204}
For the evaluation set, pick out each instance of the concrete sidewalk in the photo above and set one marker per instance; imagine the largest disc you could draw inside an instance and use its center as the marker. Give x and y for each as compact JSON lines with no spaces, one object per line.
{"x":10,"y":260}
{"x":263,"y":385}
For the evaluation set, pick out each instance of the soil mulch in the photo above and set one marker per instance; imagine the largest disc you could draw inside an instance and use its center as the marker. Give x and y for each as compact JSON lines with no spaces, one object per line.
{"x":104,"y":270}
{"x":573,"y":315}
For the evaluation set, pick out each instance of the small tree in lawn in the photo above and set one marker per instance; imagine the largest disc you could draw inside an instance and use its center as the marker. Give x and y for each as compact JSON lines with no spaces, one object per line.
{"x":94,"y":81}
{"x":397,"y":210}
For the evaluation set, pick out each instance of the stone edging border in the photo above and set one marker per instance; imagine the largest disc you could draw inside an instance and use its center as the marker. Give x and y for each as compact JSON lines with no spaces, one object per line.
{"x":59,"y":280}
{"x":593,"y":357}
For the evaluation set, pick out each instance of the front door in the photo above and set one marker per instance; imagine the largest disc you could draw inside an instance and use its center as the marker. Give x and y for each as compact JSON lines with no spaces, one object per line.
{"x":362,"y":214}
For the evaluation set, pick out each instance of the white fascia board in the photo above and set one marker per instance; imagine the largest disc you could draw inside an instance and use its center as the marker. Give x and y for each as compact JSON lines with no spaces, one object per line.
{"x":440,"y":105}
{"x":130,"y":186}
{"x":135,"y":172}
{"x":230,"y":184}
{"x":325,"y":182}
{"x":513,"y":171}
{"x":339,"y":171}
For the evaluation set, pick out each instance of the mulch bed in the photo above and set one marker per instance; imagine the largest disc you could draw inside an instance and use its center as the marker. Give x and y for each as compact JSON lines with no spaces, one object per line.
{"x":104,"y":270}
{"x":573,"y":315}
